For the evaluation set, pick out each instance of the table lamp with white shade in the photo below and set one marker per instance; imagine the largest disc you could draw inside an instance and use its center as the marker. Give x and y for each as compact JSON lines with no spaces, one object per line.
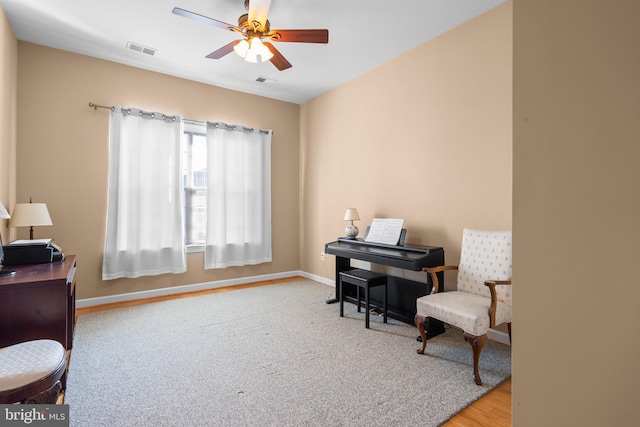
{"x":30,"y":215}
{"x":352,"y":230}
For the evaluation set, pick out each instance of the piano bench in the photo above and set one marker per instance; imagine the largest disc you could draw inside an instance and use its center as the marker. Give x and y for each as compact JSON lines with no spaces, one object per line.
{"x":363,"y":279}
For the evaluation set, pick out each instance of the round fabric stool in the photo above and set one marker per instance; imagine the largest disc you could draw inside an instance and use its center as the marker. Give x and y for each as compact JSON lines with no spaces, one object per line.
{"x":31,"y":372}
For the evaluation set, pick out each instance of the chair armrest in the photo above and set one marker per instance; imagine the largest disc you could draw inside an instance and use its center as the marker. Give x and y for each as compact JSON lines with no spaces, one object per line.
{"x":492,"y":283}
{"x":494,"y":298}
{"x":433,"y":270}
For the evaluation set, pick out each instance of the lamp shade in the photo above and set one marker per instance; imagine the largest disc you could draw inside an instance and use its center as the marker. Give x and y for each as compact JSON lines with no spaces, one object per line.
{"x":253,"y":50}
{"x":242,"y":48}
{"x":4,"y":214}
{"x":29,"y":215}
{"x":257,"y":51}
{"x":351,"y":215}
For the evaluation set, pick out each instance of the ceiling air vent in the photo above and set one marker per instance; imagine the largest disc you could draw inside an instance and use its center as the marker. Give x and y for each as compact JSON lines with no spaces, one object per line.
{"x":265,"y":80}
{"x":143,"y":49}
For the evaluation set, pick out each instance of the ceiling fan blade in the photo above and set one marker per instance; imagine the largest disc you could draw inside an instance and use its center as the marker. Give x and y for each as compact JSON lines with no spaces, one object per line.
{"x":278,"y":60}
{"x":224,"y":50}
{"x":300,"y":36}
{"x":205,"y":19}
{"x":258,"y":11}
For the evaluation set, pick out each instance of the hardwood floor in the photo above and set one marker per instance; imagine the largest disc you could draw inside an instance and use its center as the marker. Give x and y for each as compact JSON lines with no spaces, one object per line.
{"x":491,"y":410}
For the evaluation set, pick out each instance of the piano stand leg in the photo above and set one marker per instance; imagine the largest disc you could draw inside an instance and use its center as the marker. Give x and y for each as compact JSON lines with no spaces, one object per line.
{"x":332,"y":300}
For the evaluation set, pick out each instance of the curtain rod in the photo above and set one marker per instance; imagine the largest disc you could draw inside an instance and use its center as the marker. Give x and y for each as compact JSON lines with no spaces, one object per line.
{"x":198,"y":122}
{"x":96,"y":106}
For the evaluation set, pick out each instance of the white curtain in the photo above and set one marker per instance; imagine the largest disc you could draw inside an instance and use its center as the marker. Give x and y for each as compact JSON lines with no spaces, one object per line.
{"x":145,"y":233}
{"x":238,"y":196}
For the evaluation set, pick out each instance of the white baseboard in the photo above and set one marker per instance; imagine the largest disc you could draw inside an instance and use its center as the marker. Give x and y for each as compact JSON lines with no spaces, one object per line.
{"x":316,"y":278}
{"x":498,"y":336}
{"x":131,"y":296}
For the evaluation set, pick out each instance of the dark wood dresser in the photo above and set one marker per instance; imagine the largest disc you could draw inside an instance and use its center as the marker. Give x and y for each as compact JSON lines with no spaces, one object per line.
{"x":38,"y":302}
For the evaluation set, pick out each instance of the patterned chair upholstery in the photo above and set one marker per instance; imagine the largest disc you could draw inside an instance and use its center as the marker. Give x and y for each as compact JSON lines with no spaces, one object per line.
{"x":32,"y":372}
{"x":482,"y":298}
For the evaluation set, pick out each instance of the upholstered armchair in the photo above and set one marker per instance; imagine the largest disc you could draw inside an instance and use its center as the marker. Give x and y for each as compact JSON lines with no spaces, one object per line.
{"x":482,"y":298}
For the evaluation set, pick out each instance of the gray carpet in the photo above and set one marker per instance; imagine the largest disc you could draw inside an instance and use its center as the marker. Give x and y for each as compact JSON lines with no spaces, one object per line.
{"x":274,"y":355}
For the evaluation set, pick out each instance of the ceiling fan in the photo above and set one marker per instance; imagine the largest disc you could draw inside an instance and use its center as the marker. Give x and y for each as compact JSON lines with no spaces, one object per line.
{"x":255,"y":28}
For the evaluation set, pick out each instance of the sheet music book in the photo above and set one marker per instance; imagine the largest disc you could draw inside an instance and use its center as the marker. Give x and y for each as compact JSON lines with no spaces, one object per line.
{"x":385,"y":230}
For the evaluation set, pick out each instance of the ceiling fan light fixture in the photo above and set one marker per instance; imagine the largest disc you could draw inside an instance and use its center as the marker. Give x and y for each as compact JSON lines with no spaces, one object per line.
{"x":242,"y":48}
{"x":257,"y":51}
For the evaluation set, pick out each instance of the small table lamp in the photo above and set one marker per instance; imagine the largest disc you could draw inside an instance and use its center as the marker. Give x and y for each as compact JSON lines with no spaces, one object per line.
{"x":30,"y":215}
{"x":351,"y":215}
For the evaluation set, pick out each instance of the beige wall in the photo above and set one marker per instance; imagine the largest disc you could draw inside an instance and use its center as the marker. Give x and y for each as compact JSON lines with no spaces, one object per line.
{"x":8,"y":99}
{"x":426,"y":137}
{"x":576,"y":213}
{"x":63,"y":155}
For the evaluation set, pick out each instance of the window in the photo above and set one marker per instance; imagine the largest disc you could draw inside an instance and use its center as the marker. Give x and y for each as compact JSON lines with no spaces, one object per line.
{"x":194,"y":180}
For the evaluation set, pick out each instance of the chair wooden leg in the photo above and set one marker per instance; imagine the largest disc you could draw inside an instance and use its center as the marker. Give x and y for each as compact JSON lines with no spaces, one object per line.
{"x":476,"y":343}
{"x":47,"y":397}
{"x":419,"y":321}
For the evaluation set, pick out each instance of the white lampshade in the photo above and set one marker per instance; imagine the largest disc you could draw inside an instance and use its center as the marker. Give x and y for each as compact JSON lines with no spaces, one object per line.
{"x":351,"y":215}
{"x":30,"y":215}
{"x":242,"y":48}
{"x":257,"y":51}
{"x":4,"y":214}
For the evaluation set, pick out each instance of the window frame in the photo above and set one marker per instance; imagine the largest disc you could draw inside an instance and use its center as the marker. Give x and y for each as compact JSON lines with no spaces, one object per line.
{"x":191,"y":129}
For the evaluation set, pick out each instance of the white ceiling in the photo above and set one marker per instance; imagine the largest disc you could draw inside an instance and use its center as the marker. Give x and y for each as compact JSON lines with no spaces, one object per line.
{"x":362,"y":35}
